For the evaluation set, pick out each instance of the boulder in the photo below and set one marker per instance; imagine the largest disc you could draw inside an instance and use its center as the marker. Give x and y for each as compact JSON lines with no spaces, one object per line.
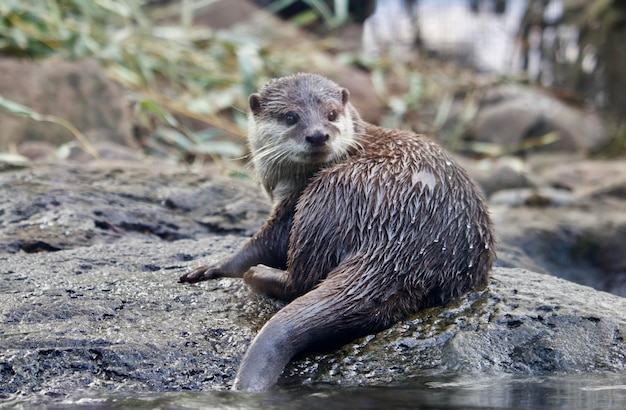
{"x":496,"y":174}
{"x":522,"y":323}
{"x":100,"y":315}
{"x":581,"y":243}
{"x":572,"y":224}
{"x":591,"y":178}
{"x":112,"y":317}
{"x":79,"y":92}
{"x":53,"y":206}
{"x":516,"y":118}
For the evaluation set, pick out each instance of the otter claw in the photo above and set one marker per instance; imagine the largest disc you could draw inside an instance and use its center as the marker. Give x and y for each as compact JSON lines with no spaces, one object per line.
{"x":199,"y":274}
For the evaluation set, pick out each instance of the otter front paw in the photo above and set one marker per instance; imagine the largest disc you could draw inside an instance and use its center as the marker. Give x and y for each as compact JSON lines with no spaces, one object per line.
{"x":200,"y":274}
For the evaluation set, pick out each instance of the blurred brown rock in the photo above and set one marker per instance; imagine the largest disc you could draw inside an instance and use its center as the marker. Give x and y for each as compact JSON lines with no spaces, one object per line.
{"x":517,"y":117}
{"x":78,"y":92}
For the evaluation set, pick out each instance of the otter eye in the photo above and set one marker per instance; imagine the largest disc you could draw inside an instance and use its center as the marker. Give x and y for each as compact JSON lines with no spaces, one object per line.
{"x":291,"y":118}
{"x":332,"y":116}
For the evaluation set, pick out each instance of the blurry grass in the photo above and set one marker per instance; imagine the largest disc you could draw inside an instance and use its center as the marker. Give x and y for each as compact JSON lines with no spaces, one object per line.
{"x":23,"y":111}
{"x":177,"y":73}
{"x":189,"y":84}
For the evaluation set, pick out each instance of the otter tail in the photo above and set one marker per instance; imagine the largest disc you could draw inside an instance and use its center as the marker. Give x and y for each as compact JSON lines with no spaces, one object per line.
{"x":337,"y":311}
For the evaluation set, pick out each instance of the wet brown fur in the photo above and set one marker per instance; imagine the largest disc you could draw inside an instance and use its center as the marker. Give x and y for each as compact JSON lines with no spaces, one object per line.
{"x":380,"y":226}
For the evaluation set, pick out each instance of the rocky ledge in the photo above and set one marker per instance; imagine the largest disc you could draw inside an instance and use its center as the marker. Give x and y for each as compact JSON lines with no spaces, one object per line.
{"x":89,"y":261}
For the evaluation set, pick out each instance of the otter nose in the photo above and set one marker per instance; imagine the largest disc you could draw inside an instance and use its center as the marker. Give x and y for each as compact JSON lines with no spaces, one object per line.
{"x":317,"y":139}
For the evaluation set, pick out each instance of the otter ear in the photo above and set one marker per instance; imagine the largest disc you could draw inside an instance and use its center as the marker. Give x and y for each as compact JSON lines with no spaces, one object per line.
{"x":345,"y":96}
{"x":255,"y":103}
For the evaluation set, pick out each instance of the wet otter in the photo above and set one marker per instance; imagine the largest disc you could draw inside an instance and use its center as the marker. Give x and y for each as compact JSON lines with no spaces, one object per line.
{"x":369,"y":225}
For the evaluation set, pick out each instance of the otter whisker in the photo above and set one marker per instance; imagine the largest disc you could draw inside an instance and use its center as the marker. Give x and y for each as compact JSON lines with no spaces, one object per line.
{"x":270,"y":154}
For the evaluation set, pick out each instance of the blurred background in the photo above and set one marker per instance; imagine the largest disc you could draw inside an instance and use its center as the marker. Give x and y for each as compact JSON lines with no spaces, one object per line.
{"x":169,"y":79}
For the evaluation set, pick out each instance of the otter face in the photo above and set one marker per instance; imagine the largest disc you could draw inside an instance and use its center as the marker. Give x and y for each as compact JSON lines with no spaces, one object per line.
{"x":300,"y":119}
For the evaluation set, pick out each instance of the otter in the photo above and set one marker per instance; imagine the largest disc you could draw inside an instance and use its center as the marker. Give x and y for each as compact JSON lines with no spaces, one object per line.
{"x":369,"y":225}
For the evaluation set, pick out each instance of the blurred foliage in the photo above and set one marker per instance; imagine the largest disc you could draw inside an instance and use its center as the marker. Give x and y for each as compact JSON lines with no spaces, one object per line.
{"x":178,"y":73}
{"x":189,"y":84}
{"x":23,"y":111}
{"x":318,"y":10}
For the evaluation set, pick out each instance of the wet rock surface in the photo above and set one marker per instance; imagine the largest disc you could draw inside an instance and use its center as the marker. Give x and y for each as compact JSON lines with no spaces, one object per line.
{"x":89,"y":261}
{"x":523,"y":322}
{"x":113,"y":317}
{"x":584,"y":244}
{"x":570,"y":222}
{"x":54,"y":207}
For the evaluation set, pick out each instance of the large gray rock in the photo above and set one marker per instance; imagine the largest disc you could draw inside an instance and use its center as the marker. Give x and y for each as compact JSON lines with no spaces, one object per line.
{"x":112,"y":317}
{"x":102,"y":316}
{"x":523,"y":323}
{"x":52,"y":207}
{"x":572,"y":223}
{"x":582,"y":244}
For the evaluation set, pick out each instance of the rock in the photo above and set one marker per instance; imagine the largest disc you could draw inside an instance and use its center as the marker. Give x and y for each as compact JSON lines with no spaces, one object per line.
{"x":54,"y":207}
{"x":539,"y":197}
{"x":582,"y":243}
{"x":572,"y":222}
{"x":112,"y":317}
{"x":37,"y":150}
{"x":516,"y":118}
{"x":223,"y":14}
{"x":496,"y":123}
{"x":97,"y":313}
{"x":496,"y":174}
{"x":591,"y":178}
{"x":522,"y":323}
{"x":78,"y":92}
{"x":106,"y":150}
{"x":514,"y":257}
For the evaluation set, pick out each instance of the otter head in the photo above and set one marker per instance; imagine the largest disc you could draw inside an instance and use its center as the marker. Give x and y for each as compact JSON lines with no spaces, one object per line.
{"x":297,"y":125}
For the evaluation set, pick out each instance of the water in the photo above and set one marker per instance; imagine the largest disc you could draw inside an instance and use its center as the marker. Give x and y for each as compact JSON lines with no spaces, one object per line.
{"x":571,"y":392}
{"x":560,"y":49}
{"x":485,"y":38}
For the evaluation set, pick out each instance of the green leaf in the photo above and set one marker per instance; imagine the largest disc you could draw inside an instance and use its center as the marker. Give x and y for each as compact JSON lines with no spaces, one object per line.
{"x":12,"y":158}
{"x":305,"y":18}
{"x":222,"y":148}
{"x":159,"y":112}
{"x":124,"y":75}
{"x":443,"y":111}
{"x":208,"y":134}
{"x":17,"y":108}
{"x":174,"y":137}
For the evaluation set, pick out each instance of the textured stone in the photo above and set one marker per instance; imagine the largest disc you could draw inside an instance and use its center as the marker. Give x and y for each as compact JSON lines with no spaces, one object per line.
{"x":98,"y":310}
